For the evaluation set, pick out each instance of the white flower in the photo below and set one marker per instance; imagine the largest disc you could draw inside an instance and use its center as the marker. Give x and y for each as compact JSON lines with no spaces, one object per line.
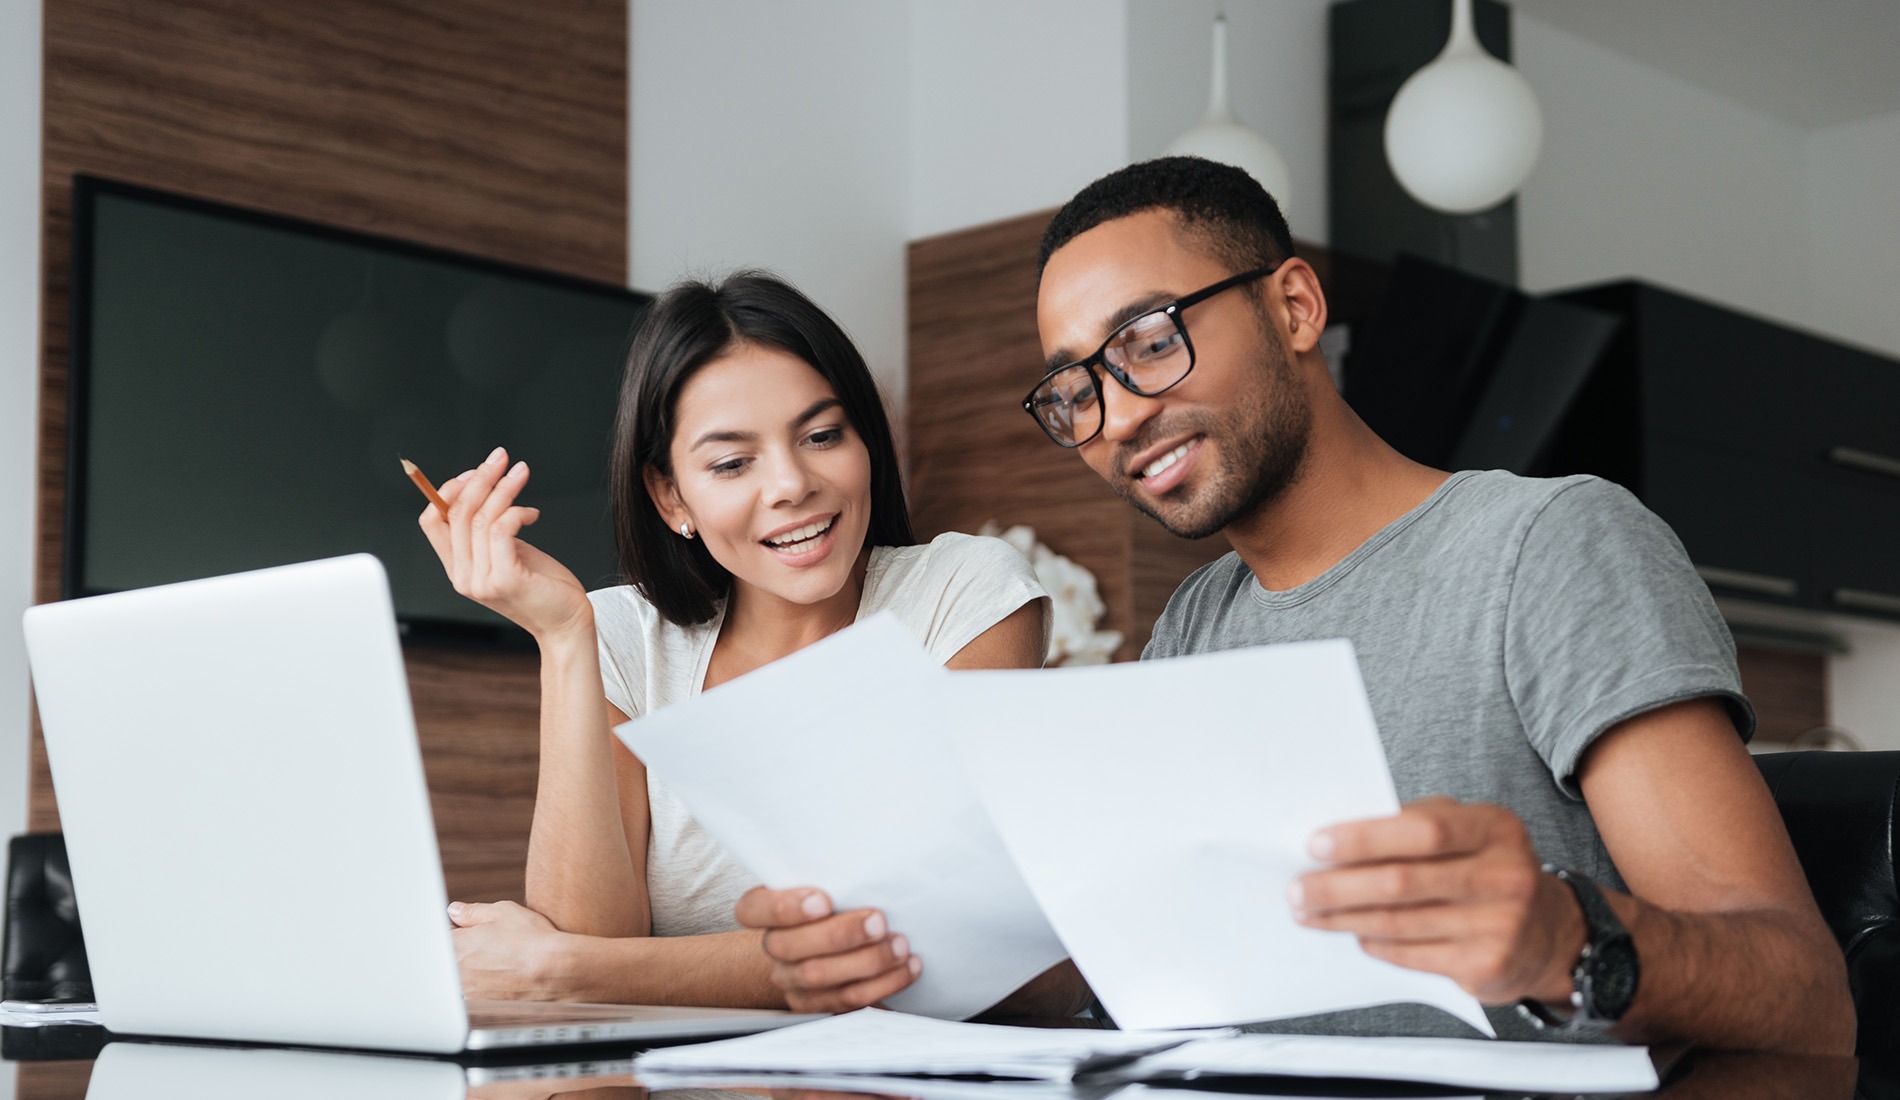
{"x":1077,"y":604}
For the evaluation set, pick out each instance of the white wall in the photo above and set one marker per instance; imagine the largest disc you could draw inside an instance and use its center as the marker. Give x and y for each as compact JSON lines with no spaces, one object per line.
{"x":19,"y":392}
{"x":1645,"y":174}
{"x":819,"y":138}
{"x":1863,"y":685}
{"x":1015,"y":104}
{"x":1853,"y":219}
{"x":19,"y":386}
{"x":1276,"y":60}
{"x":776,"y":135}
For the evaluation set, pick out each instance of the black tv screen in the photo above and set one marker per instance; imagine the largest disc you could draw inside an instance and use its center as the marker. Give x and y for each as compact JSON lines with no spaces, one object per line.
{"x":243,"y":386}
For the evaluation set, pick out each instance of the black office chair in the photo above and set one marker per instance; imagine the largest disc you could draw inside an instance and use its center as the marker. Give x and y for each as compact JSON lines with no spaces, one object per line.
{"x":45,"y":953}
{"x":1839,"y":809}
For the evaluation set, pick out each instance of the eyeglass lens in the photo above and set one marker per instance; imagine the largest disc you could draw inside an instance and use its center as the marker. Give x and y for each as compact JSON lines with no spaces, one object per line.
{"x":1147,"y":355}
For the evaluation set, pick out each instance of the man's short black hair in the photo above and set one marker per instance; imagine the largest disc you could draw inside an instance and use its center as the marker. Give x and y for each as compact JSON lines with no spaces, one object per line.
{"x":1222,"y":206}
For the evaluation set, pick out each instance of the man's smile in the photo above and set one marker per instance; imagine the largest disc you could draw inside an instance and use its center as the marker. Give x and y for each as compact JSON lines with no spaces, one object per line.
{"x":1162,"y":468}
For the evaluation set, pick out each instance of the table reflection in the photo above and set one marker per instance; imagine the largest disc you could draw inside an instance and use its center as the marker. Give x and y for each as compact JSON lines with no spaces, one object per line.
{"x":160,"y":1071}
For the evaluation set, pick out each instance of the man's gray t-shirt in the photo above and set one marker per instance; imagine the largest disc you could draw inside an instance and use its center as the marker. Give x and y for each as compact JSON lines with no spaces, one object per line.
{"x":1501,"y":627}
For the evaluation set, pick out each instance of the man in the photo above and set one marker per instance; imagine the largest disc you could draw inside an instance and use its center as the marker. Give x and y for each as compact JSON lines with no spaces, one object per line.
{"x":1551,"y":680}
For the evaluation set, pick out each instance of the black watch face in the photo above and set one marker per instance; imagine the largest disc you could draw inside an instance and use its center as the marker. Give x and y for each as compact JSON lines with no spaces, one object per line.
{"x":1611,"y":974}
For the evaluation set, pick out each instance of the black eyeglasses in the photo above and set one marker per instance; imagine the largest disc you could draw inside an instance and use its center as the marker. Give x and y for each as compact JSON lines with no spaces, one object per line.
{"x":1147,"y":355}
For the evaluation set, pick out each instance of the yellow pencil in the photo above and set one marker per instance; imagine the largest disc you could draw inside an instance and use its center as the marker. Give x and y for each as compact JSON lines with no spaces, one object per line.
{"x":428,"y":490}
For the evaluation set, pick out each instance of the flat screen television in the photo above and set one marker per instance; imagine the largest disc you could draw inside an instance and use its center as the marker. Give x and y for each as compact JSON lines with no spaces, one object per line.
{"x":243,"y":385}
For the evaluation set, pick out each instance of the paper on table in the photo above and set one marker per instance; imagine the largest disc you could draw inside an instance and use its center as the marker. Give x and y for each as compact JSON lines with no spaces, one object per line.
{"x":1160,"y":810}
{"x":1460,"y":1063}
{"x":874,"y":1041}
{"x":890,"y":1085}
{"x":811,"y":772}
{"x":1179,"y":1092}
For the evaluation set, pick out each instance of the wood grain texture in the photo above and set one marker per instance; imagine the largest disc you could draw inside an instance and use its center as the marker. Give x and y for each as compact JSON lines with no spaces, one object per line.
{"x":53,"y":1080}
{"x":1788,"y":689}
{"x":484,"y":126}
{"x":975,"y":456}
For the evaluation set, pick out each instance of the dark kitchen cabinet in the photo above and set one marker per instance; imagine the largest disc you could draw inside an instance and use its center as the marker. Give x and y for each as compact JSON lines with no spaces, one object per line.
{"x":1774,"y":453}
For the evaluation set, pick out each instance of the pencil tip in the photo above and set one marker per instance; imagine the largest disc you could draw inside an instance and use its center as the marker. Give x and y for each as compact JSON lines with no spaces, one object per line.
{"x":408,"y":467}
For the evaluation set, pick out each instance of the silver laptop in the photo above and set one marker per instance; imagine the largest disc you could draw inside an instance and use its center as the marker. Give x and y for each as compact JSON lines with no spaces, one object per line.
{"x":249,"y":829}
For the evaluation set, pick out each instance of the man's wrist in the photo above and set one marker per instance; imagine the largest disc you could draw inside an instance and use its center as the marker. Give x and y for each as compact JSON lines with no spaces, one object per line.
{"x":1567,"y":935}
{"x":1606,"y":973}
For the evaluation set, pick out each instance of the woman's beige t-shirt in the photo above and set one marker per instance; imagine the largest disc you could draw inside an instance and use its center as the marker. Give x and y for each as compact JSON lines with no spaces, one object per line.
{"x":947,"y":592}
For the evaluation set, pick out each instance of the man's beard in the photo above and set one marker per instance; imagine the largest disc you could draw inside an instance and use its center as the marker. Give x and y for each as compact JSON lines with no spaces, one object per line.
{"x":1262,"y":445}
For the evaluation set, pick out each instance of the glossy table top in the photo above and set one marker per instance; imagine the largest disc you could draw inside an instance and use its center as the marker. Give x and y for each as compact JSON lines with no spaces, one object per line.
{"x":67,"y":1063}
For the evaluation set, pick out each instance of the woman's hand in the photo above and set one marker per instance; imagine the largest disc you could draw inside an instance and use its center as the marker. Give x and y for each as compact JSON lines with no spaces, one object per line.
{"x":508,"y":952}
{"x":824,"y":961}
{"x":481,"y":549}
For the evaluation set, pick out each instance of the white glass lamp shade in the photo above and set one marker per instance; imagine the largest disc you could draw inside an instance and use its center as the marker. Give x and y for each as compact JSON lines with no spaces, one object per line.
{"x":1220,"y":137}
{"x":1232,"y":143}
{"x":1464,"y":131}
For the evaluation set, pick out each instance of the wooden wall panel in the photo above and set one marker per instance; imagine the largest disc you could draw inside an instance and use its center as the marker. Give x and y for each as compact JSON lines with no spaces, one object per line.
{"x":53,"y":1080}
{"x":974,"y":455}
{"x":485,"y":126}
{"x":1788,"y":689}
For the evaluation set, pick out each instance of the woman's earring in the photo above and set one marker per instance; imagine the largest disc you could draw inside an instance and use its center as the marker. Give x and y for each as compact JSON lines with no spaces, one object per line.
{"x":686,"y":532}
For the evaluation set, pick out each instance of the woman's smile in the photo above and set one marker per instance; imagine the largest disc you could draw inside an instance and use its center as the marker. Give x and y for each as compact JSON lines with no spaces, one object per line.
{"x":805,"y":543}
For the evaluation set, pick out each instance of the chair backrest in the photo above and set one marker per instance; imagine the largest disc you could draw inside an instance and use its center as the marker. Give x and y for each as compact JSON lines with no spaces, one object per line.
{"x":1839,"y":809}
{"x":45,"y":952}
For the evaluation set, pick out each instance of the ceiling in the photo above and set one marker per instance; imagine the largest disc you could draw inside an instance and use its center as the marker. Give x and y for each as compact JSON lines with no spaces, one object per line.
{"x":1809,"y":63}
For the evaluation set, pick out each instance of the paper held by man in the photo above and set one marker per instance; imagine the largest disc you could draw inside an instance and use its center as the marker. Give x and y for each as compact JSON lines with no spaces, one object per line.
{"x":1144,"y":819}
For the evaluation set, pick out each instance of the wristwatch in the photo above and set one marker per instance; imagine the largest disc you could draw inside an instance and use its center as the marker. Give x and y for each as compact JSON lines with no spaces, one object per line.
{"x":1604,"y":978}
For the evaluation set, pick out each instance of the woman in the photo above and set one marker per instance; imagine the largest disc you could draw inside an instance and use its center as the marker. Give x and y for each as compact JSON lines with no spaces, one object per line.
{"x":757,"y":508}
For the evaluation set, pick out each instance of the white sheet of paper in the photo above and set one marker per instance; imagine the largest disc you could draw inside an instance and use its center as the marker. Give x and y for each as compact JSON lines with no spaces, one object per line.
{"x":812,"y":771}
{"x":1460,"y":1063}
{"x":1185,"y":1092}
{"x":874,"y":1041}
{"x":1160,"y":810}
{"x":883,"y":1086}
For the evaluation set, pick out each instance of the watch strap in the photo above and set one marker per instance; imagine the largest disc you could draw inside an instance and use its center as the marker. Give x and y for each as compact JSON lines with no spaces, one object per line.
{"x":1601,"y":925}
{"x":1598,"y":918}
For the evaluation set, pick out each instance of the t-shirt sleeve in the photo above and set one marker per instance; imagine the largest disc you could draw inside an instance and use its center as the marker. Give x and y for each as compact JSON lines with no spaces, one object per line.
{"x":622,"y":637}
{"x":1606,"y":619}
{"x":967,"y":584}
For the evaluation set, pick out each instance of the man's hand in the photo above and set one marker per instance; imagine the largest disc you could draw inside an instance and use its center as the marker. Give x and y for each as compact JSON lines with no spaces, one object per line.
{"x":507,"y":951}
{"x":1451,"y":888}
{"x":824,"y":961}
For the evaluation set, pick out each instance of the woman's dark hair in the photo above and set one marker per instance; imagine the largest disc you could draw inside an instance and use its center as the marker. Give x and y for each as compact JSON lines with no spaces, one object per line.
{"x":689,"y":326}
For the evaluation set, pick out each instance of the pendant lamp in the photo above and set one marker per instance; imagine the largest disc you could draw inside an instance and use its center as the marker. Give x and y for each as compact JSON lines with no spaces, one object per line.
{"x":1464,"y":131}
{"x":1220,"y":137}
